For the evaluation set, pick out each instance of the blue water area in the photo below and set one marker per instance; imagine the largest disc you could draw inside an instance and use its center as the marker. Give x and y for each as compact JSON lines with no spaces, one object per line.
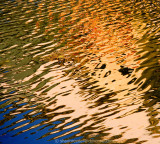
{"x":9,"y":133}
{"x":35,"y":135}
{"x":6,"y":71}
{"x":12,"y":92}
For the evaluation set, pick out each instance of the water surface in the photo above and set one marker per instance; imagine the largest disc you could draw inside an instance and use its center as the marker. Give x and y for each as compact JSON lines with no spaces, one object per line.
{"x":79,"y":71}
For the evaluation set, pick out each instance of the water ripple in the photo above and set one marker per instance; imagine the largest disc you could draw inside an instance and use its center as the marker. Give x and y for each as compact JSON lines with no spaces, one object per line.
{"x":79,"y":71}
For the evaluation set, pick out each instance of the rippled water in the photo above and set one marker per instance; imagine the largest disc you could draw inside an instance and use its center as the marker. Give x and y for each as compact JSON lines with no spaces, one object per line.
{"x":79,"y":71}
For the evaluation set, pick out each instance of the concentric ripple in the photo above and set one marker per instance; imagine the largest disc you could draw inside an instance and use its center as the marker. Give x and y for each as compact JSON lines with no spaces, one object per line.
{"x":79,"y":71}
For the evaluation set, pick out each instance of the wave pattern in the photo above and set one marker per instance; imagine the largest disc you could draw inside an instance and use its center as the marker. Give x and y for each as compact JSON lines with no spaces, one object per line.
{"x":79,"y":71}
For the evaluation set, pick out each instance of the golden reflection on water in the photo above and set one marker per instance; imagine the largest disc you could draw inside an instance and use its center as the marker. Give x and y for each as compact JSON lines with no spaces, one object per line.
{"x":109,"y":41}
{"x":93,"y":70}
{"x":114,"y":45}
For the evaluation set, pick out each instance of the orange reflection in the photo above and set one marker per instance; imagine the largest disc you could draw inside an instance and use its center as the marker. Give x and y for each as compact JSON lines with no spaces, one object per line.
{"x":98,"y":45}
